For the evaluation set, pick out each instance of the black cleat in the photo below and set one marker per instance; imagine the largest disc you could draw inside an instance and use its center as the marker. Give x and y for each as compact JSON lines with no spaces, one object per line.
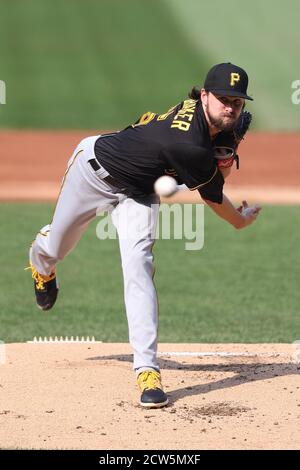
{"x":150,"y":385}
{"x":45,"y":288}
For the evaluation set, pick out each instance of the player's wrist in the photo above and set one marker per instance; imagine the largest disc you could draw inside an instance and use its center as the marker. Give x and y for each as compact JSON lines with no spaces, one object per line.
{"x":240,"y":221}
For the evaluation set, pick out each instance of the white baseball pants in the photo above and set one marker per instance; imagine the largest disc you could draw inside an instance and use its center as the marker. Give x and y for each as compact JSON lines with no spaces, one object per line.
{"x":84,"y":194}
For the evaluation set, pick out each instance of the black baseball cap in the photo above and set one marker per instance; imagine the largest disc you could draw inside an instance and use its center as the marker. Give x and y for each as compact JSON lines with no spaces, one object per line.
{"x":227,"y":79}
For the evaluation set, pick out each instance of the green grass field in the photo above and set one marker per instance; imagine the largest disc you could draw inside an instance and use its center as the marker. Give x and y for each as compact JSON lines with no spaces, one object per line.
{"x":91,"y":64}
{"x":243,"y":286}
{"x":263,"y":39}
{"x":100,"y":64}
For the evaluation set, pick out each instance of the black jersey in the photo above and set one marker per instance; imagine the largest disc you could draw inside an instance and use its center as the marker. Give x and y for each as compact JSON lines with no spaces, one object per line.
{"x":176,"y":143}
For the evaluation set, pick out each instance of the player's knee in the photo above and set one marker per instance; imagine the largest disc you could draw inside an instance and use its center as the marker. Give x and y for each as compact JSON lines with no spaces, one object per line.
{"x":139,"y":263}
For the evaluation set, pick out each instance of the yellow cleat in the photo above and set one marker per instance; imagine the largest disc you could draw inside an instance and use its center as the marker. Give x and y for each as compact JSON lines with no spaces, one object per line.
{"x":45,"y":287}
{"x":151,"y":388}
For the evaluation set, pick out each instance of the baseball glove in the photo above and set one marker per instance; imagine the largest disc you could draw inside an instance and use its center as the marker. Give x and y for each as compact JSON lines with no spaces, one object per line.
{"x":226,"y":143}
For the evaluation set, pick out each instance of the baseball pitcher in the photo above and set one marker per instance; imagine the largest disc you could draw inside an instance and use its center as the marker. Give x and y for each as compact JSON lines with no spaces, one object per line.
{"x":196,"y":142}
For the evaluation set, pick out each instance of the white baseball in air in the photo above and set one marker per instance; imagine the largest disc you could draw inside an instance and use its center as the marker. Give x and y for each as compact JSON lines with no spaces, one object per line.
{"x":165,"y":186}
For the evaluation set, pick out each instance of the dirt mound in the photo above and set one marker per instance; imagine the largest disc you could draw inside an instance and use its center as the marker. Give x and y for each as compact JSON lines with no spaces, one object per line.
{"x":84,"y":396}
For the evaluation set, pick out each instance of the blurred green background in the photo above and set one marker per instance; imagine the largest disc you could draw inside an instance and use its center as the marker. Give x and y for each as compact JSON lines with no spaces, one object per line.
{"x":101,"y":63}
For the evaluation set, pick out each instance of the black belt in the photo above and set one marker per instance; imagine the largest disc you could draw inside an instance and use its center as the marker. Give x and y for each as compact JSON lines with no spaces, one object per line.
{"x":108,"y":179}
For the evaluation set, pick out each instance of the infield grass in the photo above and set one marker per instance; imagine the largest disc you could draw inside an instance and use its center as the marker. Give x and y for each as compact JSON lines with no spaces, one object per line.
{"x":243,"y":286}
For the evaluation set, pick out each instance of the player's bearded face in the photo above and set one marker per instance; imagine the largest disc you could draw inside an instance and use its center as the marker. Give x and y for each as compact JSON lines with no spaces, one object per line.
{"x":223,"y":112}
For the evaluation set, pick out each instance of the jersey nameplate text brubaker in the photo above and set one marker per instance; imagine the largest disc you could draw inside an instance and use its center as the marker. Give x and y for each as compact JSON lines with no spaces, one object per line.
{"x":183,"y":118}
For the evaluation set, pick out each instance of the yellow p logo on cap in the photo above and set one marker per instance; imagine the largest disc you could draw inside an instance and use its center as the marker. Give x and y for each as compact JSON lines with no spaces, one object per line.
{"x":235,"y":77}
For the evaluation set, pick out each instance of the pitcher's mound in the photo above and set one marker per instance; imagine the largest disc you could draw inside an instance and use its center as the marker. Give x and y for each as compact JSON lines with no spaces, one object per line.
{"x":84,"y":396}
